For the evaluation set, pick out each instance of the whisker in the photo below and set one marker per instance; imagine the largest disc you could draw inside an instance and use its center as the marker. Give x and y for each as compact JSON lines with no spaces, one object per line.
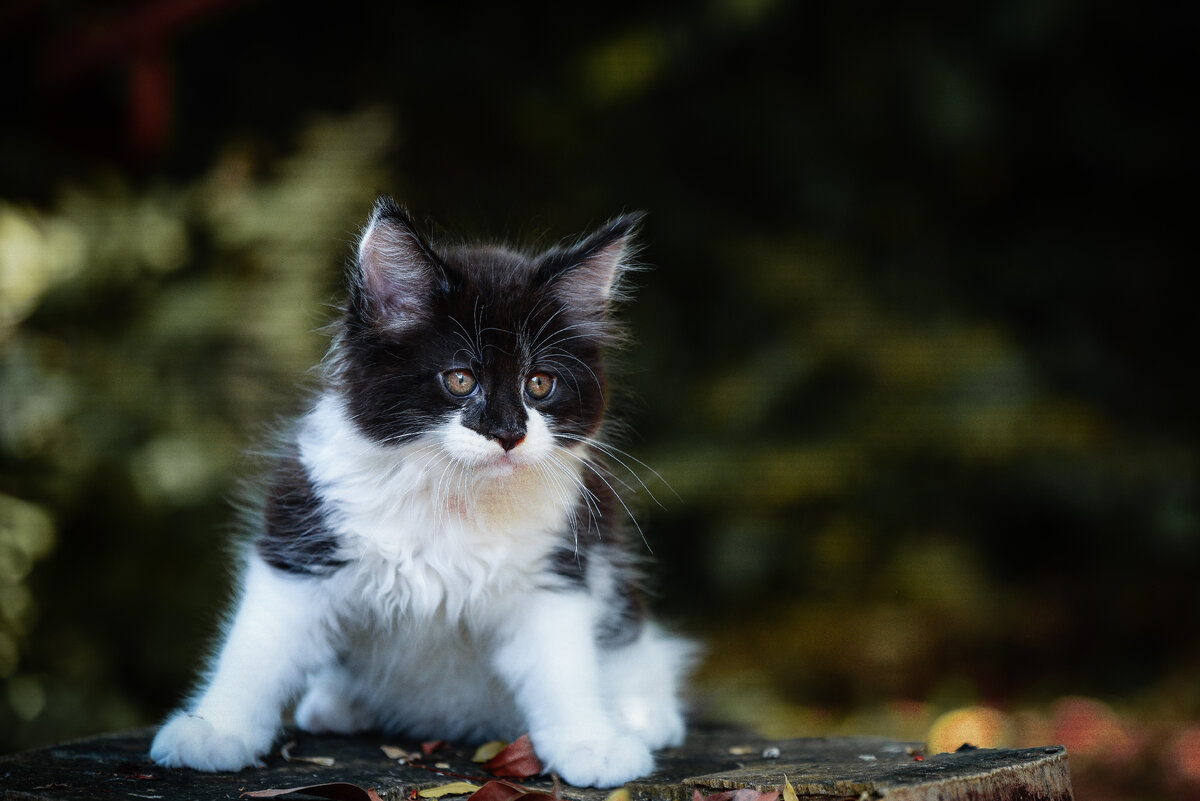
{"x":615,"y":453}
{"x":586,"y":463}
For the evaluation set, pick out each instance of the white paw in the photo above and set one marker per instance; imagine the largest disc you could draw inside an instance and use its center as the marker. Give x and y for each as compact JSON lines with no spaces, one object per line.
{"x":188,"y":741}
{"x":663,"y":729}
{"x":595,"y":761}
{"x":324,"y":710}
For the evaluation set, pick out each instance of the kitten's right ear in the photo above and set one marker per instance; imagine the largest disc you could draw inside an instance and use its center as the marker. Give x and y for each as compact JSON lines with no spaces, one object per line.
{"x":397,"y":272}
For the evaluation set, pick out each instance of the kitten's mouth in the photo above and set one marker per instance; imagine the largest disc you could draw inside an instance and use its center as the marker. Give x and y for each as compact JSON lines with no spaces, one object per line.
{"x":501,"y":465}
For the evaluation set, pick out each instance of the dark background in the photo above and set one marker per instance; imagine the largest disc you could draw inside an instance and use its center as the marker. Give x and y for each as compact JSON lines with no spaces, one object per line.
{"x":916,"y":354}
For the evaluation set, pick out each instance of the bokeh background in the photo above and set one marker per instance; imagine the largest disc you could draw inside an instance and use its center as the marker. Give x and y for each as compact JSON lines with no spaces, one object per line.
{"x":916,"y":358}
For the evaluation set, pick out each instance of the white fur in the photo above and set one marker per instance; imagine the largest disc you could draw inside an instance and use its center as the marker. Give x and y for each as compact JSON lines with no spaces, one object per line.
{"x":446,"y":623}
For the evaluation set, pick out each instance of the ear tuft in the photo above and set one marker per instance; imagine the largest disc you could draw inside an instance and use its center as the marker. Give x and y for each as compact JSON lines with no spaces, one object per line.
{"x":396,"y":272}
{"x":587,"y":276}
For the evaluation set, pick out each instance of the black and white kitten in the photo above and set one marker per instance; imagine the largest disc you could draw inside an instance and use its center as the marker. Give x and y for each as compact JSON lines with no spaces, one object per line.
{"x":441,"y":551}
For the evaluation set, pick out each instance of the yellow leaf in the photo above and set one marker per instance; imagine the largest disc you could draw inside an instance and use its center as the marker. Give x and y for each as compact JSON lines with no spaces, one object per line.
{"x":789,"y":792}
{"x":453,"y":788}
{"x":619,"y":794}
{"x":488,"y":750}
{"x":392,"y":752}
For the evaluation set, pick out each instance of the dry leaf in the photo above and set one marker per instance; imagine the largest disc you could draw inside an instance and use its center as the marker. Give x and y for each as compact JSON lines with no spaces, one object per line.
{"x":497,"y":790}
{"x":741,"y":750}
{"x":395,"y":752}
{"x":744,"y":794}
{"x":431,"y":746}
{"x":517,"y":760}
{"x":453,"y":788}
{"x":335,"y":791}
{"x":286,"y":753}
{"x":488,"y":750}
{"x":789,"y":792}
{"x":619,"y":794}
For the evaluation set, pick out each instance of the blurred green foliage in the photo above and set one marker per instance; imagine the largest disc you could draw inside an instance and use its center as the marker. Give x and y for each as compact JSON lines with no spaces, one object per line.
{"x":915,"y":354}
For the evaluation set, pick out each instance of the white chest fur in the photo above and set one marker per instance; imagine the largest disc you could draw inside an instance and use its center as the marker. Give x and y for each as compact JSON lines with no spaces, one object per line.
{"x":429,"y":531}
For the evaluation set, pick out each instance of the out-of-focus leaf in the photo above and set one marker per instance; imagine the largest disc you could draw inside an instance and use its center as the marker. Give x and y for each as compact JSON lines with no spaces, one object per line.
{"x":744,"y":794}
{"x":488,"y":750}
{"x":517,"y":760}
{"x":497,"y":790}
{"x":453,"y":788}
{"x":431,"y":746}
{"x":396,"y":752}
{"x":335,"y":791}
{"x":288,"y":756}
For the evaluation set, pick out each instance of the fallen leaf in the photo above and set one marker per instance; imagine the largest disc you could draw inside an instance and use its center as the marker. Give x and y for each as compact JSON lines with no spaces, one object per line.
{"x":741,"y":750}
{"x":789,"y":792}
{"x":286,"y":753}
{"x":750,"y":794}
{"x":395,"y":752}
{"x":619,"y":794}
{"x":497,"y":790}
{"x":517,"y":760}
{"x":453,"y":788}
{"x":431,"y":746}
{"x":335,"y":791}
{"x":488,"y":750}
{"x":744,"y":794}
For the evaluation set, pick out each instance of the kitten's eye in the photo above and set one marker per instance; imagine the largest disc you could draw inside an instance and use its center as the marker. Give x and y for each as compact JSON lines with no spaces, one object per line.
{"x":539,"y":385}
{"x":459,"y":383}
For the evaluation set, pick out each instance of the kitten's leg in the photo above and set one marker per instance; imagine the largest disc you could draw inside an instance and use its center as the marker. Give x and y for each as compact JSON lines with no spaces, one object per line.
{"x":329,"y":706}
{"x":642,"y":683}
{"x":550,"y":661}
{"x":278,"y":636}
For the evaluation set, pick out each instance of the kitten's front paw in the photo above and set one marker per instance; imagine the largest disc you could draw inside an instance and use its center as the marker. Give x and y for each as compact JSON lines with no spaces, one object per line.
{"x":595,"y":761}
{"x":657,"y":723}
{"x":189,"y":741}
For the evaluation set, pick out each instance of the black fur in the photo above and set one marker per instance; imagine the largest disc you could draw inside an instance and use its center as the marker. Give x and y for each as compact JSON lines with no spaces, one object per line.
{"x":294,"y":536}
{"x":490,"y":310}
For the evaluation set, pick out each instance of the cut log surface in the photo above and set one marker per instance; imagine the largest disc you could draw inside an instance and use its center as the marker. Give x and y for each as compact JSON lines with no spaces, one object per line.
{"x":715,"y":759}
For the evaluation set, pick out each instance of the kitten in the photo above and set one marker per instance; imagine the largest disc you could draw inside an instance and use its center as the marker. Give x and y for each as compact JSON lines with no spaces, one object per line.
{"x":441,"y":551}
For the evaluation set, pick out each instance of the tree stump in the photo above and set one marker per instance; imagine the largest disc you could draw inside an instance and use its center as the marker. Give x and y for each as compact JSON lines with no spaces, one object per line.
{"x":715,"y":759}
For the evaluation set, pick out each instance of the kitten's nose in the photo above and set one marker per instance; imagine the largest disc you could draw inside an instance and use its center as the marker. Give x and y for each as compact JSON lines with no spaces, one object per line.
{"x":508,"y":439}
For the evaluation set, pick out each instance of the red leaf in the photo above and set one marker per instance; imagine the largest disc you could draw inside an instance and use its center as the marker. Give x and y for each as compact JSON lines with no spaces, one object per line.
{"x":431,"y":746}
{"x":516,"y":761}
{"x":335,"y":791}
{"x":497,"y":790}
{"x":750,"y":794}
{"x":744,"y":794}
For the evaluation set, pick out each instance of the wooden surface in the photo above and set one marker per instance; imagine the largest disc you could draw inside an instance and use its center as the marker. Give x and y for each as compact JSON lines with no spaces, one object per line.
{"x":116,"y":766}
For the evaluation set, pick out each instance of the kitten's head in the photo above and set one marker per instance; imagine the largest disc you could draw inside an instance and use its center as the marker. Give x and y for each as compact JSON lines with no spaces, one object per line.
{"x":491,"y":355}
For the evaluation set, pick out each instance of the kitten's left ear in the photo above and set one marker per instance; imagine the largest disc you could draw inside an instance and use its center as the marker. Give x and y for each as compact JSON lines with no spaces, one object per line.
{"x":587,"y":276}
{"x":397,"y":273}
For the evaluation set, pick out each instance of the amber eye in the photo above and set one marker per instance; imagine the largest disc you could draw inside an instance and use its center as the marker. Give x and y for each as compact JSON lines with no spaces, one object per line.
{"x":459,"y":383}
{"x":539,"y":385}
